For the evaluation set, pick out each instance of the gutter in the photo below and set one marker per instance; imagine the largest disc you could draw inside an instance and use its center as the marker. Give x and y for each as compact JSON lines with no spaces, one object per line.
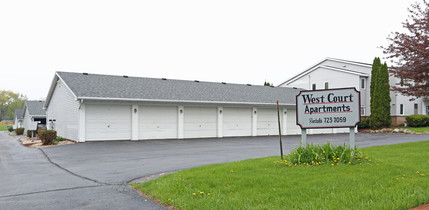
{"x":181,"y":101}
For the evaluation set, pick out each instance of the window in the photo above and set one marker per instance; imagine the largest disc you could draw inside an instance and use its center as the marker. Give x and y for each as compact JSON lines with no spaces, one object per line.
{"x":416,"y":109}
{"x":326,"y":85}
{"x":401,"y":109}
{"x":362,"y":111}
{"x":313,"y":87}
{"x":362,"y":84}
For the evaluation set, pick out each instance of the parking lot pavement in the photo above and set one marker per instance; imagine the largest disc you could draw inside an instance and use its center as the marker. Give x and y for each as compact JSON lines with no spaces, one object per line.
{"x":95,"y":175}
{"x":119,"y":162}
{"x":29,"y":181}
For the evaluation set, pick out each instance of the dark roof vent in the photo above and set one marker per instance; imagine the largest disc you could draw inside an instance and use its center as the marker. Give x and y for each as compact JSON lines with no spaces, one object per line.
{"x":295,"y":88}
{"x":163,"y":78}
{"x":224,"y":83}
{"x":249,"y":85}
{"x":84,"y":73}
{"x":196,"y":81}
{"x":125,"y":76}
{"x":272,"y":86}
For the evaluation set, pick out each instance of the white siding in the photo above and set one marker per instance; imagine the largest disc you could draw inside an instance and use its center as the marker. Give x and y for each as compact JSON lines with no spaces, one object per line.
{"x":350,"y":66}
{"x":336,"y":79}
{"x":17,"y":123}
{"x":321,"y":75}
{"x":64,"y":109}
{"x":28,"y":123}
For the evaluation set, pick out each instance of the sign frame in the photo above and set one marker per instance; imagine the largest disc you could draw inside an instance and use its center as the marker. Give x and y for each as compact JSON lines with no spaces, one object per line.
{"x":323,"y":90}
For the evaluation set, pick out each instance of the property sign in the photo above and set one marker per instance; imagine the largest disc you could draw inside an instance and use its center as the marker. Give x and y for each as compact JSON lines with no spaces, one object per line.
{"x":332,"y":108}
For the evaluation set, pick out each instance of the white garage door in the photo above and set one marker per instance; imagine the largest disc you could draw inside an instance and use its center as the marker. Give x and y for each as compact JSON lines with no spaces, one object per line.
{"x":237,"y":122}
{"x":157,"y":122}
{"x":200,"y":122}
{"x":108,"y":122}
{"x":292,"y":127}
{"x":267,"y":122}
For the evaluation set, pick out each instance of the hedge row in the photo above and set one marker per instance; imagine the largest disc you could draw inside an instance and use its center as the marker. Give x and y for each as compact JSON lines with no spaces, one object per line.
{"x":417,"y":120}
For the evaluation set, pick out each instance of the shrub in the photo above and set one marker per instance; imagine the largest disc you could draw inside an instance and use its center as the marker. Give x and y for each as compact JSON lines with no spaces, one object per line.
{"x":364,"y":123}
{"x":29,"y":132}
{"x":58,"y":139}
{"x":324,"y":154}
{"x":19,"y":131}
{"x":39,"y":131}
{"x":10,"y":128}
{"x":48,"y":136}
{"x":417,"y":120}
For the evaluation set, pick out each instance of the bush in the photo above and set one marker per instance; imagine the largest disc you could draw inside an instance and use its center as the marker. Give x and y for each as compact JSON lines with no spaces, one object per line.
{"x":19,"y":131}
{"x":31,"y":131}
{"x":58,"y":139}
{"x":39,"y":131}
{"x":324,"y":154}
{"x":417,"y":120}
{"x":364,"y":123}
{"x":48,"y":136}
{"x":10,"y":128}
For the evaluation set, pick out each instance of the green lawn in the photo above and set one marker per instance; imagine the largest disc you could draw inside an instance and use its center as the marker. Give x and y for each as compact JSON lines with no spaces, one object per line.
{"x":397,"y":178}
{"x":417,"y":129}
{"x":3,"y":127}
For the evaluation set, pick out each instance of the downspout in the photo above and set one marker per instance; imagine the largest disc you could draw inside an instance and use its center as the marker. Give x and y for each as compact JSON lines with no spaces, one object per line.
{"x":80,"y":103}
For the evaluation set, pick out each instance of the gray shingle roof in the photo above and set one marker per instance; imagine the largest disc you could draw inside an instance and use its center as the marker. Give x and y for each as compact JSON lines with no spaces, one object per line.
{"x":35,"y":108}
{"x":19,"y":113}
{"x":138,"y":88}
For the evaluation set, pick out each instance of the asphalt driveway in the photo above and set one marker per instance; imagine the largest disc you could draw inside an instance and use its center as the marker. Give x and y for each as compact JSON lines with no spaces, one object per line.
{"x":95,"y":174}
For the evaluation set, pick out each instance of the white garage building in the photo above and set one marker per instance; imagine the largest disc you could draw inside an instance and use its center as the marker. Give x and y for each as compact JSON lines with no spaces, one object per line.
{"x":90,"y":107}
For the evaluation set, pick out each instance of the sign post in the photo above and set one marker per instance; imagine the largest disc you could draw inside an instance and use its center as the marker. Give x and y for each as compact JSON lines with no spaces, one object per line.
{"x":280,"y":130}
{"x":304,"y":137}
{"x":331,"y":108}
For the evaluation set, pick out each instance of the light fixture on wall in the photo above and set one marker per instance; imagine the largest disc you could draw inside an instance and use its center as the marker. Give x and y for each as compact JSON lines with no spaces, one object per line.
{"x":220,"y":111}
{"x":285,"y":112}
{"x":254,"y":112}
{"x":135,"y":110}
{"x":181,"y":110}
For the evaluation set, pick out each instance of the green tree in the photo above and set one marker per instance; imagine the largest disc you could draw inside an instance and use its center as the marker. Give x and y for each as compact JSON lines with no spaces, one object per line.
{"x":267,"y":84}
{"x":380,"y":96}
{"x":375,"y":67}
{"x":9,"y":101}
{"x":385,"y":95}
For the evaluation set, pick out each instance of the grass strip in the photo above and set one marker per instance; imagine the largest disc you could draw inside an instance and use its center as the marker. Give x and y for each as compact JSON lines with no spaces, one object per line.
{"x":416,"y":129}
{"x":3,"y":127}
{"x":395,"y":178}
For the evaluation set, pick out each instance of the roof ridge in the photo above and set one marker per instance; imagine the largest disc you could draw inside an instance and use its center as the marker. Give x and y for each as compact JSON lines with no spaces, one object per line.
{"x":350,"y":61}
{"x":345,"y":69}
{"x":180,"y":80}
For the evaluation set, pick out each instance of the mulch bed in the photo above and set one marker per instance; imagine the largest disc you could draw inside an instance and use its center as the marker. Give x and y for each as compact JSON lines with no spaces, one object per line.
{"x":37,"y":143}
{"x":423,"y":207}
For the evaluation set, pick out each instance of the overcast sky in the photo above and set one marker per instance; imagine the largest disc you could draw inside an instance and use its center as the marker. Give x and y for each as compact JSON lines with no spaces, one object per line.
{"x":231,"y":41}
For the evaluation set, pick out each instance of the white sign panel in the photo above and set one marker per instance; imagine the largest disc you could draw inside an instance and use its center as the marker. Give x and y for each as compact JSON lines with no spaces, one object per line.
{"x":332,"y":108}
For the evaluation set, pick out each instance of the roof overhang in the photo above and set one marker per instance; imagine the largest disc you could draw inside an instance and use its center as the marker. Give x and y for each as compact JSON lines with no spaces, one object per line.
{"x":184,"y":101}
{"x":52,"y":88}
{"x":317,"y":65}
